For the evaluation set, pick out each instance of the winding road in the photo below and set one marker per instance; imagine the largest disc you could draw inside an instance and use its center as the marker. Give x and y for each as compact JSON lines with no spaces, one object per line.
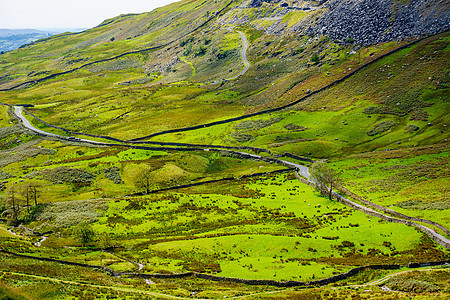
{"x":243,"y":55}
{"x":18,"y":111}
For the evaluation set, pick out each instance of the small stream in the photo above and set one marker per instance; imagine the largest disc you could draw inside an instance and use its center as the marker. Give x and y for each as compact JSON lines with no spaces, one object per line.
{"x":141,"y":266}
{"x":43,"y":238}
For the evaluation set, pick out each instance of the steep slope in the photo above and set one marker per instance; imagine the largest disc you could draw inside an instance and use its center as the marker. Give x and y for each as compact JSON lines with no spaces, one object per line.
{"x":126,"y":33}
{"x":362,"y":22}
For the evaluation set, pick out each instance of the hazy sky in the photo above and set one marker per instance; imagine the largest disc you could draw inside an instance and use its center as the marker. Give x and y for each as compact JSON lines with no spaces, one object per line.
{"x":68,"y":13}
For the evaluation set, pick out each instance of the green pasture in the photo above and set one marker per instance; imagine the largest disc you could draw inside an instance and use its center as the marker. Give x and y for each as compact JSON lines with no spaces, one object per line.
{"x":257,"y":230}
{"x":410,"y":181}
{"x":43,"y":162}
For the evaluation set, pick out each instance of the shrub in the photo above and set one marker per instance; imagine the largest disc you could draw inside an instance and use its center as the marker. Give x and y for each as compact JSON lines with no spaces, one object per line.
{"x":5,"y":175}
{"x":34,"y":212}
{"x":381,"y":128}
{"x":256,"y":124}
{"x":419,"y":115}
{"x":68,"y":175}
{"x":85,"y":234}
{"x":348,"y":244}
{"x":188,"y":49}
{"x":225,"y":54}
{"x":412,"y":128}
{"x":295,"y":127}
{"x":372,"y":110}
{"x":315,"y":58}
{"x":411,"y":285}
{"x":349,"y":40}
{"x":113,"y":175}
{"x":241,"y":137}
{"x":189,"y":40}
{"x":422,"y":205}
{"x":65,"y":214}
{"x":199,"y":51}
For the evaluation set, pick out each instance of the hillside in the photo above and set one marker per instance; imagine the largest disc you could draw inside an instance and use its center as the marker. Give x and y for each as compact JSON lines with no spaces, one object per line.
{"x":174,"y":150}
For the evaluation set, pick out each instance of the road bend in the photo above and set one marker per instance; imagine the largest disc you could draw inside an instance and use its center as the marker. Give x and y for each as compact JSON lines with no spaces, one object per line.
{"x":243,"y":55}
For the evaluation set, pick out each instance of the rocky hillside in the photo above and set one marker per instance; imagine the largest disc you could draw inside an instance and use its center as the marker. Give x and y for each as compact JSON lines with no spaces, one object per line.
{"x":376,"y":21}
{"x":360,"y":21}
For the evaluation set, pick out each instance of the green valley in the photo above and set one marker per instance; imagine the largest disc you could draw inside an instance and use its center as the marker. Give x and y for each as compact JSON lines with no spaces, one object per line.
{"x":167,"y":154}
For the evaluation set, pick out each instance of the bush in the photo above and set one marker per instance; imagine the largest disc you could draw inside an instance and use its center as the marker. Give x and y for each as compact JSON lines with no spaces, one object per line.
{"x":113,"y":175}
{"x":199,"y":51}
{"x":256,"y":124}
{"x":419,"y":115}
{"x":5,"y":175}
{"x":295,"y":127}
{"x":422,"y":205}
{"x":188,"y":49}
{"x":225,"y":54}
{"x":35,"y":211}
{"x":66,"y":214}
{"x":315,"y":58}
{"x":241,"y":137}
{"x":185,"y":42}
{"x":372,"y":110}
{"x":348,"y":244}
{"x":349,"y":40}
{"x":412,"y":128}
{"x":411,"y":285}
{"x":68,"y":175}
{"x":381,"y":128}
{"x":85,"y":234}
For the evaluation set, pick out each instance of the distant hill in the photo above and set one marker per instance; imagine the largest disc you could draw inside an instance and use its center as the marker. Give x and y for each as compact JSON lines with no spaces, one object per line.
{"x":11,"y":39}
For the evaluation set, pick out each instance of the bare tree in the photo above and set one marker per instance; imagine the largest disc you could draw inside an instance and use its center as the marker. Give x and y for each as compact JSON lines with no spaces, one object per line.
{"x":324,"y":178}
{"x":12,"y":204}
{"x":34,"y":193}
{"x":26,"y":194}
{"x":29,"y":192}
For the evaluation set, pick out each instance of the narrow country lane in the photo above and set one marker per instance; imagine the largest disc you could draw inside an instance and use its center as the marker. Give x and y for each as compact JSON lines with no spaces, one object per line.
{"x":18,"y":111}
{"x":243,"y":55}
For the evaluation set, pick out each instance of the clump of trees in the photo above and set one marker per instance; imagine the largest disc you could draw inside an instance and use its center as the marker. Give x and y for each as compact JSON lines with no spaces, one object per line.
{"x":19,"y":199}
{"x":324,"y":178}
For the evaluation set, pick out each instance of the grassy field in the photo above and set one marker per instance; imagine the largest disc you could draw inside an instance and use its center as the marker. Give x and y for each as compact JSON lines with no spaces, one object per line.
{"x":411,"y":181}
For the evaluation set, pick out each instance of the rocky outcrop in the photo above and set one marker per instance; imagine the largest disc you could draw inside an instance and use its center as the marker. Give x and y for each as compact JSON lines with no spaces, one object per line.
{"x":353,"y":21}
{"x":258,"y":3}
{"x":376,"y":21}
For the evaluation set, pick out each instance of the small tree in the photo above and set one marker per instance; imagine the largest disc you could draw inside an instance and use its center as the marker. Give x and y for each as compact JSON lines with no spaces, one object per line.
{"x":324,"y":178}
{"x":85,"y":234}
{"x":145,"y":180}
